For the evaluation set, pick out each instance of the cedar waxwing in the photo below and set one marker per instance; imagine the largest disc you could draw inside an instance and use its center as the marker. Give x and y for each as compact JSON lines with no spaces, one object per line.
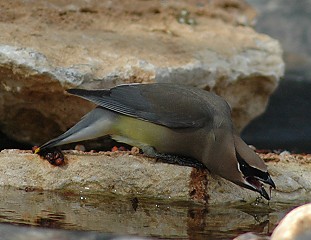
{"x":169,"y":121}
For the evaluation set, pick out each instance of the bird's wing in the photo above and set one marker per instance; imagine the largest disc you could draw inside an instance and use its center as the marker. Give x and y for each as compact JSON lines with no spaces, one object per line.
{"x":170,"y":105}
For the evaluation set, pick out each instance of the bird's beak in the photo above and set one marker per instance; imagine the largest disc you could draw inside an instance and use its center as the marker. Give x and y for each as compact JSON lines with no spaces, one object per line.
{"x":257,"y":184}
{"x":269,"y":181}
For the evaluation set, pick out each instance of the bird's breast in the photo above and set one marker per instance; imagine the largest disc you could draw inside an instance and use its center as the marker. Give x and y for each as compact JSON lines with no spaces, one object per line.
{"x":186,"y":142}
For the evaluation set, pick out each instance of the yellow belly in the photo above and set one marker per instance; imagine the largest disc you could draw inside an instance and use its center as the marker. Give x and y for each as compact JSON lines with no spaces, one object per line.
{"x":139,"y":131}
{"x":145,"y":134}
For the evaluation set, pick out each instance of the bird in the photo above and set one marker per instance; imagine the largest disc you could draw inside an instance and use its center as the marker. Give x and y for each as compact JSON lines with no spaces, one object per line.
{"x":172,"y":122}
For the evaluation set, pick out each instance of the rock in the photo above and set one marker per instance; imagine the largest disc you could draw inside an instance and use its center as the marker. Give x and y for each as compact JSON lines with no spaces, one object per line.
{"x":290,"y":173}
{"x":128,"y":174}
{"x":286,"y":123}
{"x":295,"y":225}
{"x":294,"y":35}
{"x":11,"y":232}
{"x":251,"y":236}
{"x":97,"y":44}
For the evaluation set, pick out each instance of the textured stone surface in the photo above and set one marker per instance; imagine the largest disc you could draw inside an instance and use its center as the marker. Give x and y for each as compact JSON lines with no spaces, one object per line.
{"x":110,"y":173}
{"x":97,"y":44}
{"x":122,"y":173}
{"x":295,"y":225}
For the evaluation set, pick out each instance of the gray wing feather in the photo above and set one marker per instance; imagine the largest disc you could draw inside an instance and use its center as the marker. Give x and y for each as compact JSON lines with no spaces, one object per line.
{"x":85,"y":122}
{"x":171,"y":105}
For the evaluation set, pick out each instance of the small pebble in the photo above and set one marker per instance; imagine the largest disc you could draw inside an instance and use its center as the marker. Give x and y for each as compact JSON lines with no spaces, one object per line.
{"x":80,"y":147}
{"x":284,"y":153}
{"x":135,"y":150}
{"x":114,"y":149}
{"x":122,"y":148}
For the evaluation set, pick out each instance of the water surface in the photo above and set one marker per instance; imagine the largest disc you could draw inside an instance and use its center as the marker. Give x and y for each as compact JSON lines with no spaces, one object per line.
{"x":138,"y":216}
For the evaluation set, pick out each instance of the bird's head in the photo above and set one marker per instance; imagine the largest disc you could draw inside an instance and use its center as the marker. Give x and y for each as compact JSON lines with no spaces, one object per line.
{"x":231,"y":158}
{"x":252,"y":169}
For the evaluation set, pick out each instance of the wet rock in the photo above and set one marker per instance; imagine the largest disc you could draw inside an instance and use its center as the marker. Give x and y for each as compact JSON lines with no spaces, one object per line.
{"x":295,"y":225}
{"x":125,"y":173}
{"x":97,"y":44}
{"x":11,"y":232}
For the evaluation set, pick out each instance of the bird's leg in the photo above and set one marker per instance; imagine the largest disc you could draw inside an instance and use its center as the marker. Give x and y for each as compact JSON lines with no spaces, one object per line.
{"x":179,"y":160}
{"x":172,"y":159}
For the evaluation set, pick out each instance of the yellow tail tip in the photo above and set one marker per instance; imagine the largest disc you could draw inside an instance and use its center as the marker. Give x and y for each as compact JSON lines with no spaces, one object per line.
{"x":37,"y":150}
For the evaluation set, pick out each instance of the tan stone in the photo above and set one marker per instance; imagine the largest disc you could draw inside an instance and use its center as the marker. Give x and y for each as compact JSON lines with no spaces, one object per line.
{"x":296,"y":225}
{"x":97,"y":44}
{"x":121,"y":173}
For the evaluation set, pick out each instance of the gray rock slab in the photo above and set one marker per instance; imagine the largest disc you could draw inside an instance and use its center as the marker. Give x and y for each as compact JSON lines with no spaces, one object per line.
{"x":123,"y":173}
{"x":97,"y":44}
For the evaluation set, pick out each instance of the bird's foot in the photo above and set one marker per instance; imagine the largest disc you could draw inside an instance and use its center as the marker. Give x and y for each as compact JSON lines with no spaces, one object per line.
{"x":53,"y":155}
{"x":179,"y":160}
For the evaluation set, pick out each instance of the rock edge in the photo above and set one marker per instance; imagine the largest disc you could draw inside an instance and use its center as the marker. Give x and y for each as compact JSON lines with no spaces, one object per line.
{"x":123,"y":173}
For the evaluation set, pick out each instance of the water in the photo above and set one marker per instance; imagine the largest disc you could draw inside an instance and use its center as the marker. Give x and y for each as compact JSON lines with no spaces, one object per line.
{"x":143,"y":217}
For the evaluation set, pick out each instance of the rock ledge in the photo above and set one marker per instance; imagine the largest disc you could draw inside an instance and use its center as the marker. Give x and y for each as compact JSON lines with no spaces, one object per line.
{"x":123,"y":173}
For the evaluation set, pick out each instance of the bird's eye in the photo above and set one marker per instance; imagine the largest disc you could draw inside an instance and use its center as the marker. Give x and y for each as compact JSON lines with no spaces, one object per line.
{"x":247,"y":170}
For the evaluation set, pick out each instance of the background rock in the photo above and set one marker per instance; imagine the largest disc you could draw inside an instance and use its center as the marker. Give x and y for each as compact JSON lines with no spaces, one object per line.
{"x":286,"y":123}
{"x":97,"y":44}
{"x":289,"y":22}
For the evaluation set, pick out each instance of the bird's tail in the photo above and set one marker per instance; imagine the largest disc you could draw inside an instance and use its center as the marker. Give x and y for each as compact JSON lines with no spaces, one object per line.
{"x":95,"y":124}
